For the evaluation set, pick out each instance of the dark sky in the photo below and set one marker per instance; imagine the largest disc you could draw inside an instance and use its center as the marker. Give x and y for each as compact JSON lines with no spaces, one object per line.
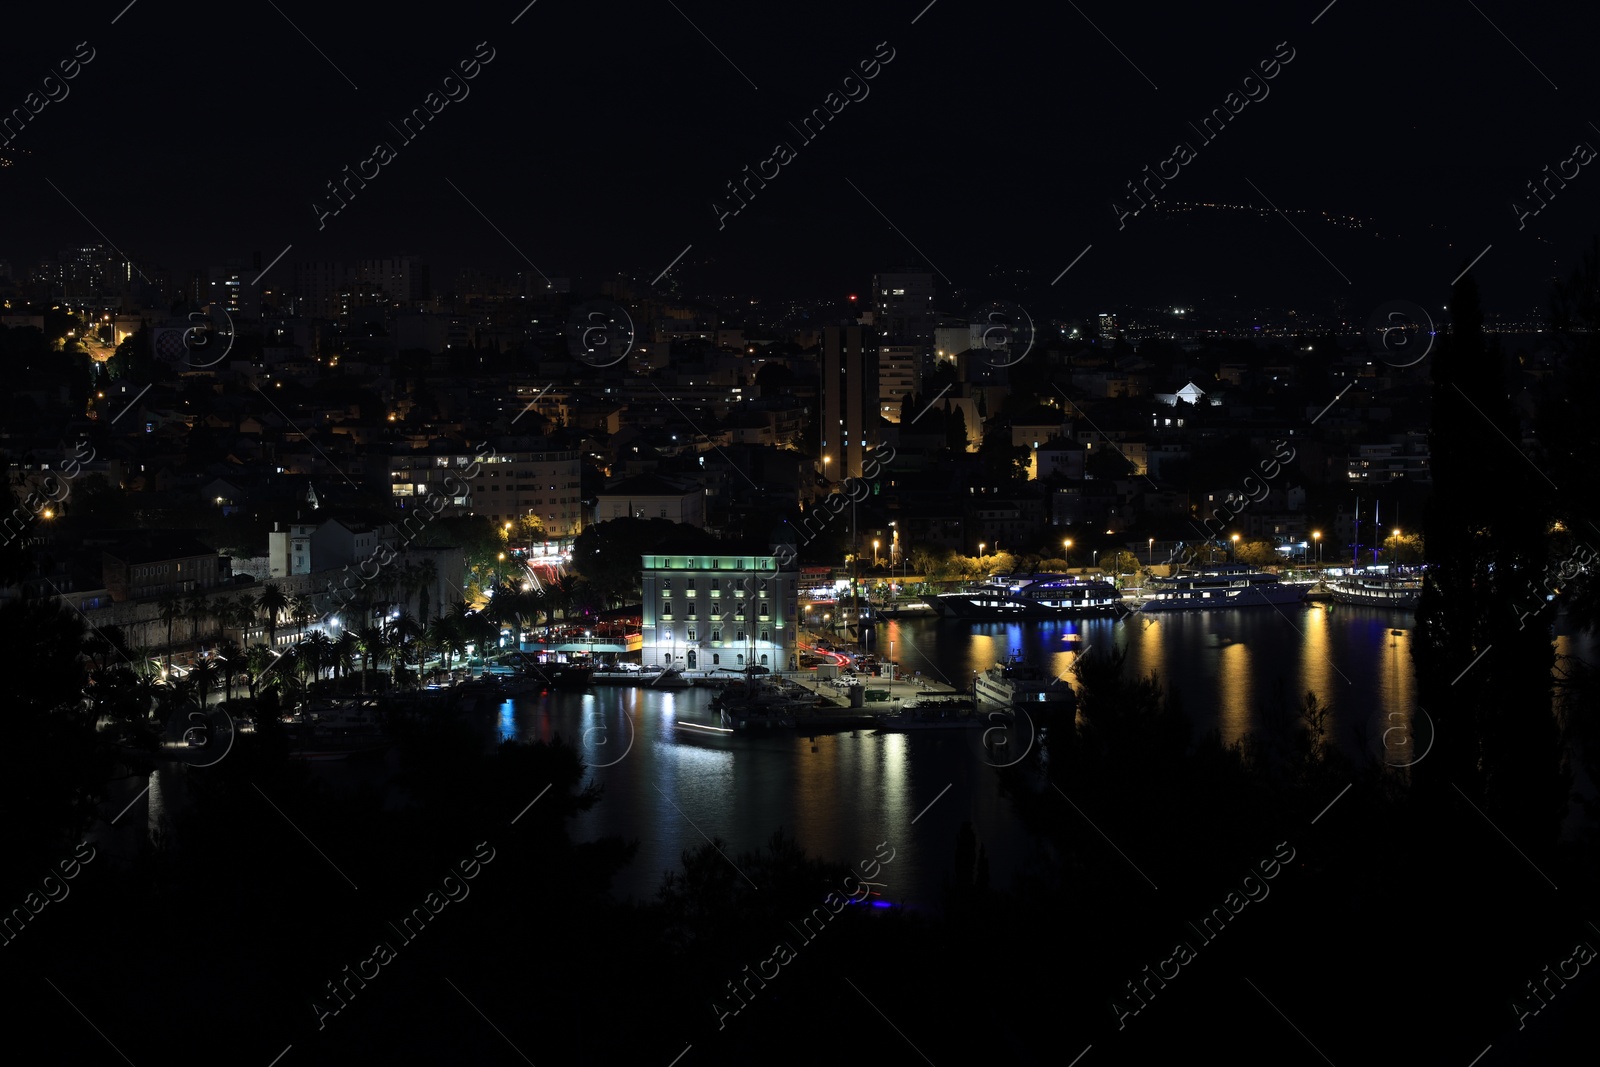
{"x":997,"y":137}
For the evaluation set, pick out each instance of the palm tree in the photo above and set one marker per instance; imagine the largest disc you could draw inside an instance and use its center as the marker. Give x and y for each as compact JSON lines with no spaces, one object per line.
{"x":245,"y":617}
{"x":271,"y":603}
{"x":171,"y":607}
{"x":345,"y":648}
{"x":198,"y":608}
{"x":258,"y":660}
{"x":229,"y":657}
{"x":406,"y":582}
{"x":401,"y":632}
{"x":449,"y":637}
{"x":369,"y":643}
{"x":203,"y":676}
{"x":299,"y":611}
{"x":317,"y":652}
{"x":427,"y":578}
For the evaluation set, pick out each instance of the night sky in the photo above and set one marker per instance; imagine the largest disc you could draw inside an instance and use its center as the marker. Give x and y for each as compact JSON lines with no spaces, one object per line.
{"x":995,"y":140}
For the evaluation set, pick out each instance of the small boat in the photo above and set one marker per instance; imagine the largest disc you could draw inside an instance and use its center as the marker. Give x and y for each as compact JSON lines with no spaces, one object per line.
{"x":907,"y":609}
{"x":671,"y":678}
{"x":933,"y":715}
{"x":321,"y":746}
{"x":559,"y":674}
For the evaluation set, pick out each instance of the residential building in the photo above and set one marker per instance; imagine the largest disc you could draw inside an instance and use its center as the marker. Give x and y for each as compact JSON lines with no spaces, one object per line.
{"x":649,"y":497}
{"x":509,"y":482}
{"x":849,"y":400}
{"x":899,"y":376}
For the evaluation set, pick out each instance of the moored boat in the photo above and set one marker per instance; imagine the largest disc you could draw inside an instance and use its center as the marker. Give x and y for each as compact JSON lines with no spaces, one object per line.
{"x":1029,"y":597}
{"x":1015,"y":684}
{"x":1228,"y":585}
{"x":1377,"y":590}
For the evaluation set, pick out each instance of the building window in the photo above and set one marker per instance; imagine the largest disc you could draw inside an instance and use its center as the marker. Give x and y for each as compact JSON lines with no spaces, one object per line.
{"x":716,"y":634}
{"x":741,"y":634}
{"x":666,"y":608}
{"x":741,"y":659}
{"x":766,"y":635}
{"x":716,"y":658}
{"x":689,"y":582}
{"x":716,"y":583}
{"x":691,"y":633}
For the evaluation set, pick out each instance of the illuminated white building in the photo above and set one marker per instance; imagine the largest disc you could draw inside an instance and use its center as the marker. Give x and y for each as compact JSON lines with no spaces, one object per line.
{"x":721,"y":609}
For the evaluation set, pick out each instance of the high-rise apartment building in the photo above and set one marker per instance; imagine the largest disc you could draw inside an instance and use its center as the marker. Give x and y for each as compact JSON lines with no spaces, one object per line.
{"x":317,"y":287}
{"x":899,"y":376}
{"x":849,"y":399}
{"x":403,"y":279}
{"x":903,"y":303}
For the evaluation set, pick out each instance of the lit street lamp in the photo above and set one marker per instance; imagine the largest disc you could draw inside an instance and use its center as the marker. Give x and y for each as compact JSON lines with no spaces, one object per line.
{"x":1150,"y":553}
{"x":874,"y":552}
{"x":981,"y":545}
{"x":1233,"y":548}
{"x":1066,"y":547}
{"x":1316,"y":536}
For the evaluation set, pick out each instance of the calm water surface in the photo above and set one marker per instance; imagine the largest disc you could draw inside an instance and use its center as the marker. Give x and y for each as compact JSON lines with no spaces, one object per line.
{"x":840,"y":795}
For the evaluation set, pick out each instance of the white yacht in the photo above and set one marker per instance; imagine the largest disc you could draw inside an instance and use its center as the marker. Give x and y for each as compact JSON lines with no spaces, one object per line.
{"x":1228,"y":585}
{"x":1014,"y":684}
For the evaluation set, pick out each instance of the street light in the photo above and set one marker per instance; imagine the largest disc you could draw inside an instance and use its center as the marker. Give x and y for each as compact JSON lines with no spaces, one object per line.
{"x":981,"y":545}
{"x":1233,"y":548}
{"x":1150,"y":554}
{"x":1066,"y":547}
{"x":874,"y":552}
{"x":1316,"y":536}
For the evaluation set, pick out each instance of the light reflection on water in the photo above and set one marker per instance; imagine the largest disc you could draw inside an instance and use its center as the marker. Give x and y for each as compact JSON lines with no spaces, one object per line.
{"x":841,"y":795}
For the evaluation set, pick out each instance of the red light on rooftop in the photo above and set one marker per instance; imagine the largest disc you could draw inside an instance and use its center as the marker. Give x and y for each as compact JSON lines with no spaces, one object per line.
{"x":852,"y":296}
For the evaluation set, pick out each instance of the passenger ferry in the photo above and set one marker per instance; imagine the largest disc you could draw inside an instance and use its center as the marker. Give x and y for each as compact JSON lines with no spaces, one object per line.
{"x":1030,"y":596}
{"x":1228,"y":585}
{"x":1377,"y":590}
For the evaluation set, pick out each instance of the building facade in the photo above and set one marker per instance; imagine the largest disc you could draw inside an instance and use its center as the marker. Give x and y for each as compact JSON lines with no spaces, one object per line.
{"x":507,"y":485}
{"x":849,"y":400}
{"x":722,"y":611}
{"x":648,"y":497}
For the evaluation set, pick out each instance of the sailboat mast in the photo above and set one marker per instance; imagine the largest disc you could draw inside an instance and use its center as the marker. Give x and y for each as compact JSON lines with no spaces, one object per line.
{"x":1355,"y":536}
